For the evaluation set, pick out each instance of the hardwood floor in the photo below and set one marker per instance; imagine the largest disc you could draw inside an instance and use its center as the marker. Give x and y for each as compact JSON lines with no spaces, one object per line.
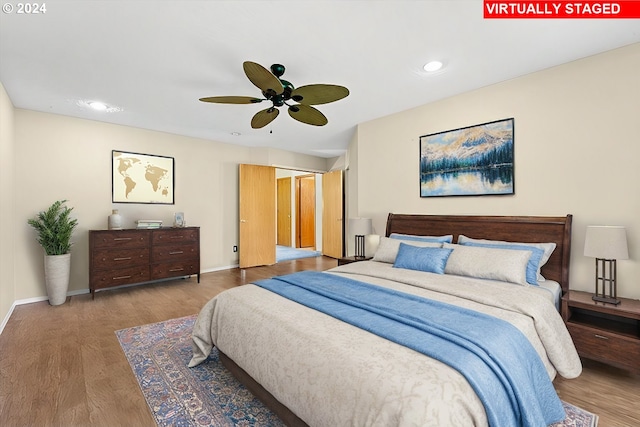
{"x":63,"y":365}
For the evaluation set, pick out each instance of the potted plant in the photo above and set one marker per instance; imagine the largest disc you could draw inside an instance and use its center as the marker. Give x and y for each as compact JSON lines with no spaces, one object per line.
{"x":54,"y":228}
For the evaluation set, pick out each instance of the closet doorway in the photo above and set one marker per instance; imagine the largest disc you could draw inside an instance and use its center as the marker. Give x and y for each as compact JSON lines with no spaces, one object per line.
{"x":283,"y":193}
{"x":306,"y":212}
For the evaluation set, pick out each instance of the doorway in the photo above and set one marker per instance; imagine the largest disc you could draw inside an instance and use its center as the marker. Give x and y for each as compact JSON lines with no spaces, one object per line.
{"x":305,"y":211}
{"x":283,"y":214}
{"x":298,"y":225}
{"x":259,"y":212}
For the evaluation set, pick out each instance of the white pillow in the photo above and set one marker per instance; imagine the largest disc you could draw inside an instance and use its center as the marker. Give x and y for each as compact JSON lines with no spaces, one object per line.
{"x":488,"y":263}
{"x":548,"y":248}
{"x":388,"y":248}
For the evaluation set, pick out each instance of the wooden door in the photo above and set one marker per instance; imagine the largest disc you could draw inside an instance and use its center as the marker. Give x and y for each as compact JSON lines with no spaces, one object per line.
{"x":257,"y":194}
{"x":332,"y":214}
{"x":284,"y":211}
{"x":306,"y":211}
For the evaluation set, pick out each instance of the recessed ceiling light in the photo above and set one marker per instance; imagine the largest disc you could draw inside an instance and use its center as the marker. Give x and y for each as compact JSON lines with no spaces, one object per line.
{"x":236,"y":133}
{"x":432,"y":66}
{"x":98,"y":106}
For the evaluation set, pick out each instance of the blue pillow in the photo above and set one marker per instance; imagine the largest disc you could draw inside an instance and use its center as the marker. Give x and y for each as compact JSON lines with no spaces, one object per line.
{"x":432,"y":260}
{"x":534,"y":261}
{"x":438,"y":239}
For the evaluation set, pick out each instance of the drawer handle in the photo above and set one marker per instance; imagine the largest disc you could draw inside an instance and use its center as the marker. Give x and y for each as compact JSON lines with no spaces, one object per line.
{"x":122,"y":258}
{"x":122,"y":238}
{"x":176,"y":269}
{"x":121,"y":277}
{"x":176,"y":252}
{"x":602,"y":337}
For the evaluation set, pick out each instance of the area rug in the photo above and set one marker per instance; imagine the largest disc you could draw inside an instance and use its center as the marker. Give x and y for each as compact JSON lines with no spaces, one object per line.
{"x":286,"y":253}
{"x":208,"y":395}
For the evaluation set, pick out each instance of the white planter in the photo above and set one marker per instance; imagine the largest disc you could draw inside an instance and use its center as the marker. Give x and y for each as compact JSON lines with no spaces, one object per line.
{"x":56,"y":277}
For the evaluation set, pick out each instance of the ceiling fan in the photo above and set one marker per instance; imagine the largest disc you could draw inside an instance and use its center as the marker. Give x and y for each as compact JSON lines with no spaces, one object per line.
{"x":281,"y":92}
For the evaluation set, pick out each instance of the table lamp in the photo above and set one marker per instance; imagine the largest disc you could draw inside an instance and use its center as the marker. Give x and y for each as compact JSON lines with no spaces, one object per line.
{"x":360,"y":227}
{"x":606,"y":243}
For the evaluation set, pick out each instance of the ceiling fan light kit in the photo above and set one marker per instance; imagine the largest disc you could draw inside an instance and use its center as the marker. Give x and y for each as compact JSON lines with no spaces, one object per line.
{"x":281,"y":92}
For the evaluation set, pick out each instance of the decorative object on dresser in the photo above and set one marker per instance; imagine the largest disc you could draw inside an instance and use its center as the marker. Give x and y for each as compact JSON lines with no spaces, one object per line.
{"x":130,"y":256}
{"x":178,"y":219}
{"x":360,"y":227}
{"x":606,"y":244}
{"x":55,"y":227}
{"x":149,"y":223}
{"x":604,"y":332}
{"x":115,"y":220}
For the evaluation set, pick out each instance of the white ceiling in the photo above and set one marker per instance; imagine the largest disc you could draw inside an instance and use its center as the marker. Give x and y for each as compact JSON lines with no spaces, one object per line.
{"x":154,"y":59}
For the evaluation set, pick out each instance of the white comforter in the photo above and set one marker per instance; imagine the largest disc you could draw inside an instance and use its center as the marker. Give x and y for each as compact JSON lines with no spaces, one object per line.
{"x":330,"y":373}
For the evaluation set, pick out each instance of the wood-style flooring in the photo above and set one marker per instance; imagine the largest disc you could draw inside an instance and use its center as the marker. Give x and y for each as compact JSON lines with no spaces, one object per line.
{"x":63,"y":365}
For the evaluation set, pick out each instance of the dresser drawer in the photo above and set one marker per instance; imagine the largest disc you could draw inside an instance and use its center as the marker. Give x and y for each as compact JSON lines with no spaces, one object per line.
{"x":175,"y":269}
{"x":119,"y":258}
{"x":170,"y":253}
{"x":605,"y":346}
{"x":174,"y":236}
{"x":122,"y":276}
{"x":120,"y":239}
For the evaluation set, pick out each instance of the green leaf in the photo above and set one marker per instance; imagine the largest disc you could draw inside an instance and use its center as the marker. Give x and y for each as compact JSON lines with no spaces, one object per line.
{"x":54,"y":228}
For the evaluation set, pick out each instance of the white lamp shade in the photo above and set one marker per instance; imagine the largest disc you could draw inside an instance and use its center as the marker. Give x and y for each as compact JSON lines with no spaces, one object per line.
{"x":360,"y":226}
{"x":606,"y":242}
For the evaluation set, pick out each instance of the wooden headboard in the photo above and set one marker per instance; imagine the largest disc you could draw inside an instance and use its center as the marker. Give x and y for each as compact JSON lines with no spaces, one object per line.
{"x":526,"y":229}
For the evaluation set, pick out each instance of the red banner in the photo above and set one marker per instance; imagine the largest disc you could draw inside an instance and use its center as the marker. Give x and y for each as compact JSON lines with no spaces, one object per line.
{"x":623,"y":9}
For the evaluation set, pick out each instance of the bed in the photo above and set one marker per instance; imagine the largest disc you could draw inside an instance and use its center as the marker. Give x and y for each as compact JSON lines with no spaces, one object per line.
{"x":318,"y":367}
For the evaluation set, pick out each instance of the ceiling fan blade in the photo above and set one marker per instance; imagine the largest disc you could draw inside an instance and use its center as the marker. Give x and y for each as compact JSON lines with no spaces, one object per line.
{"x":308,"y":115}
{"x":262,"y":78}
{"x":232,"y":99}
{"x":319,"y":94}
{"x":264,"y":117}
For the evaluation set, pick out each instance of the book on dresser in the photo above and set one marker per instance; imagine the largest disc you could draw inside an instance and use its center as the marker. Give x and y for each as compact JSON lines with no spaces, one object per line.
{"x":148,"y":223}
{"x":130,"y":256}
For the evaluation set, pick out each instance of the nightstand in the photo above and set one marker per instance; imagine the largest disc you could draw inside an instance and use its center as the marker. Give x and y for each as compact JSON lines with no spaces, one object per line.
{"x":350,"y":259}
{"x":604,"y":332}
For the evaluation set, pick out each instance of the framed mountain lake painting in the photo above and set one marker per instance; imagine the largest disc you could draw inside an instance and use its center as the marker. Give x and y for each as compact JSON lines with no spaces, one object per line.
{"x":471,"y":161}
{"x":142,"y":178}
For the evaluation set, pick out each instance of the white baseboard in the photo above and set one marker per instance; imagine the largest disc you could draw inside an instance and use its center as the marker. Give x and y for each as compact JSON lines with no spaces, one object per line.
{"x":32,"y":300}
{"x":6,"y":318}
{"x":79,"y":292}
{"x":228,"y":267}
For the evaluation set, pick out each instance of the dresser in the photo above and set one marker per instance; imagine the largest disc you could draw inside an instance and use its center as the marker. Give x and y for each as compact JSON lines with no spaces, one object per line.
{"x":124,"y":257}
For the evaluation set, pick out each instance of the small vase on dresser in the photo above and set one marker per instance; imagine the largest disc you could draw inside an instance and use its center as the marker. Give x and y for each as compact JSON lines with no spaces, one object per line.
{"x":115,"y":220}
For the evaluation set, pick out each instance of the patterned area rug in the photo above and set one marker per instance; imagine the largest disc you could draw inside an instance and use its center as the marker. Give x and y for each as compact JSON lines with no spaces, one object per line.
{"x":208,"y":395}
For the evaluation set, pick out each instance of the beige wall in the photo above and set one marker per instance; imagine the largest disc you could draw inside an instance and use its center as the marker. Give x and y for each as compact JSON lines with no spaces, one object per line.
{"x":7,"y":195}
{"x":577,"y":151}
{"x":58,"y":157}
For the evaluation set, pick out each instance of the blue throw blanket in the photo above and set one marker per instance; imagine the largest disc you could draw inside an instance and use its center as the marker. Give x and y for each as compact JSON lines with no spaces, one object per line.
{"x":495,"y":357}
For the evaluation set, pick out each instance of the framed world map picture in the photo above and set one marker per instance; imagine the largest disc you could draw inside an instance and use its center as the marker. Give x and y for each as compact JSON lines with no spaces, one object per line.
{"x":142,"y":178}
